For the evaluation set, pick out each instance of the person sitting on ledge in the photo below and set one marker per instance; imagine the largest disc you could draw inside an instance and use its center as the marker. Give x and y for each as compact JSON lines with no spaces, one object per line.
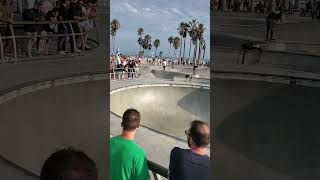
{"x":69,"y":164}
{"x":193,"y":163}
{"x":127,"y":160}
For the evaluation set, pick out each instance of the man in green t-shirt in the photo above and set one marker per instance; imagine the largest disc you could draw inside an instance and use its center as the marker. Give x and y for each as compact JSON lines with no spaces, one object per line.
{"x":127,"y":160}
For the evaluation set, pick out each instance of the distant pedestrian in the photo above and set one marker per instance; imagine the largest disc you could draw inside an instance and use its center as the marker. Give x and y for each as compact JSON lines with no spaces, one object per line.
{"x":271,"y":21}
{"x":164,"y":62}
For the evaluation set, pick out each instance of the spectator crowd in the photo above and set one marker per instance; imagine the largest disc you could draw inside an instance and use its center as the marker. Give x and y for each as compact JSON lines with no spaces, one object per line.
{"x":44,"y":19}
{"x":124,"y":67}
{"x":309,"y":8}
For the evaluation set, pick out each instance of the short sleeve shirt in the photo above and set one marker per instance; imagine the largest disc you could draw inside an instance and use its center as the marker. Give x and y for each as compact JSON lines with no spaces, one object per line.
{"x":187,"y":165}
{"x":127,"y":160}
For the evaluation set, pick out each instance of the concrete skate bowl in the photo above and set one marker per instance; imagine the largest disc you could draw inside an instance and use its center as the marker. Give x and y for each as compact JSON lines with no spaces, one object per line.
{"x":164,"y":108}
{"x":203,"y":77}
{"x":265,"y":130}
{"x":40,"y":118}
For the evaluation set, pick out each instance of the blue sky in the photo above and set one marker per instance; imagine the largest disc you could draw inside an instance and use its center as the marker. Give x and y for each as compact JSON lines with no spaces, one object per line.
{"x":159,"y":19}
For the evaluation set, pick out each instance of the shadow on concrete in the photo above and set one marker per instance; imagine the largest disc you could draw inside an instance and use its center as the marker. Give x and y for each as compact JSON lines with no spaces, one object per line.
{"x":280,"y":131}
{"x":197,"y":103}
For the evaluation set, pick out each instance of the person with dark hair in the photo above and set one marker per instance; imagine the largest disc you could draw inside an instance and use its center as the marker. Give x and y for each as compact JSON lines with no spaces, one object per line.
{"x":6,"y":16}
{"x":76,"y":14}
{"x":193,"y":163}
{"x":64,"y":28}
{"x":127,"y":160}
{"x":34,"y":14}
{"x":68,"y":164}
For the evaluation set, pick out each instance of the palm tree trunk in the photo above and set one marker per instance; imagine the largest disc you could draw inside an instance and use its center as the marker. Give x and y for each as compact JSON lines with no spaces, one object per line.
{"x":169,"y":50}
{"x":112,"y":44}
{"x":115,"y":42}
{"x":199,"y":53}
{"x":180,"y":50}
{"x":204,"y":51}
{"x":195,"y":52}
{"x":189,"y":51}
{"x":140,"y":44}
{"x":155,"y":53}
{"x":172,"y":61}
{"x":184,"y":47}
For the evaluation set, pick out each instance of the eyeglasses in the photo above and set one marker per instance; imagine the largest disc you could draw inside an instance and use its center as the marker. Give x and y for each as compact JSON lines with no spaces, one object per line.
{"x":187,"y":132}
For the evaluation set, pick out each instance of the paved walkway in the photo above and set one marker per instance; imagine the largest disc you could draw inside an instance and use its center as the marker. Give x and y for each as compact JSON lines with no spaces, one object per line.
{"x":296,"y":47}
{"x":15,"y":74}
{"x":297,"y":29}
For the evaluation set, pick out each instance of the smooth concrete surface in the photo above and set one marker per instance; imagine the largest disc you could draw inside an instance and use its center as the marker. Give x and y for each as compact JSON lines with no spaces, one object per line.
{"x":168,"y":109}
{"x":34,"y":125}
{"x":265,"y":131}
{"x":183,"y":74}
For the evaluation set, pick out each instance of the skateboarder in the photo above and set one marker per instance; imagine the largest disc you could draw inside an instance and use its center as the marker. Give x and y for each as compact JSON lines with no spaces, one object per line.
{"x":271,"y":21}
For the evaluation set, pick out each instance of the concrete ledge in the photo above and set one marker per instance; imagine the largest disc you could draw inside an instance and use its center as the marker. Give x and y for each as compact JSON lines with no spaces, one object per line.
{"x":20,"y":91}
{"x":158,"y":85}
{"x":267,"y":74}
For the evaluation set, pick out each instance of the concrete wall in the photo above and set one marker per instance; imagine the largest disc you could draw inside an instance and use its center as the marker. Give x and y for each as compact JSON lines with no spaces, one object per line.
{"x":34,"y":125}
{"x":163,"y":108}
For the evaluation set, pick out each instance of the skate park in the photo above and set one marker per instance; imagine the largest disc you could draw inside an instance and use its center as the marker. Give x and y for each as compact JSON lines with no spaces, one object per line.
{"x":265,"y":103}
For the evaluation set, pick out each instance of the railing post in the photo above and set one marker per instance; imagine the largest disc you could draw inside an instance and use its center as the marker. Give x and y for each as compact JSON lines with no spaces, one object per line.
{"x":14,"y":43}
{"x":156,"y":176}
{"x":73,"y":39}
{"x":82,"y":38}
{"x":98,"y":32}
{"x":1,"y":47}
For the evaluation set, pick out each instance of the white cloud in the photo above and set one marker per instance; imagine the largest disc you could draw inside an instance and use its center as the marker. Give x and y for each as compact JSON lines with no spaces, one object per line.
{"x":177,"y":11}
{"x":165,"y":12}
{"x":130,"y":8}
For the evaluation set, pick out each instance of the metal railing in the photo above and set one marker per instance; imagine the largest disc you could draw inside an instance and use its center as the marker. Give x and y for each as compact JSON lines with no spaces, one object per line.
{"x":158,"y":171}
{"x":124,"y":73}
{"x":17,"y":35}
{"x":263,"y":56}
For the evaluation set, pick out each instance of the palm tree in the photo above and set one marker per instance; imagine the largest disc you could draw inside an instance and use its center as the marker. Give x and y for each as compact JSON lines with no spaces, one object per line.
{"x":203,"y":46}
{"x":200,"y":31}
{"x":170,"y":40}
{"x":160,"y":54}
{"x":140,"y":33}
{"x":180,"y":32}
{"x":149,"y":47}
{"x":146,"y":42}
{"x":140,"y":42}
{"x":176,"y":45}
{"x":184,"y":30}
{"x":156,"y":44}
{"x":191,"y":31}
{"x":114,"y":27}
